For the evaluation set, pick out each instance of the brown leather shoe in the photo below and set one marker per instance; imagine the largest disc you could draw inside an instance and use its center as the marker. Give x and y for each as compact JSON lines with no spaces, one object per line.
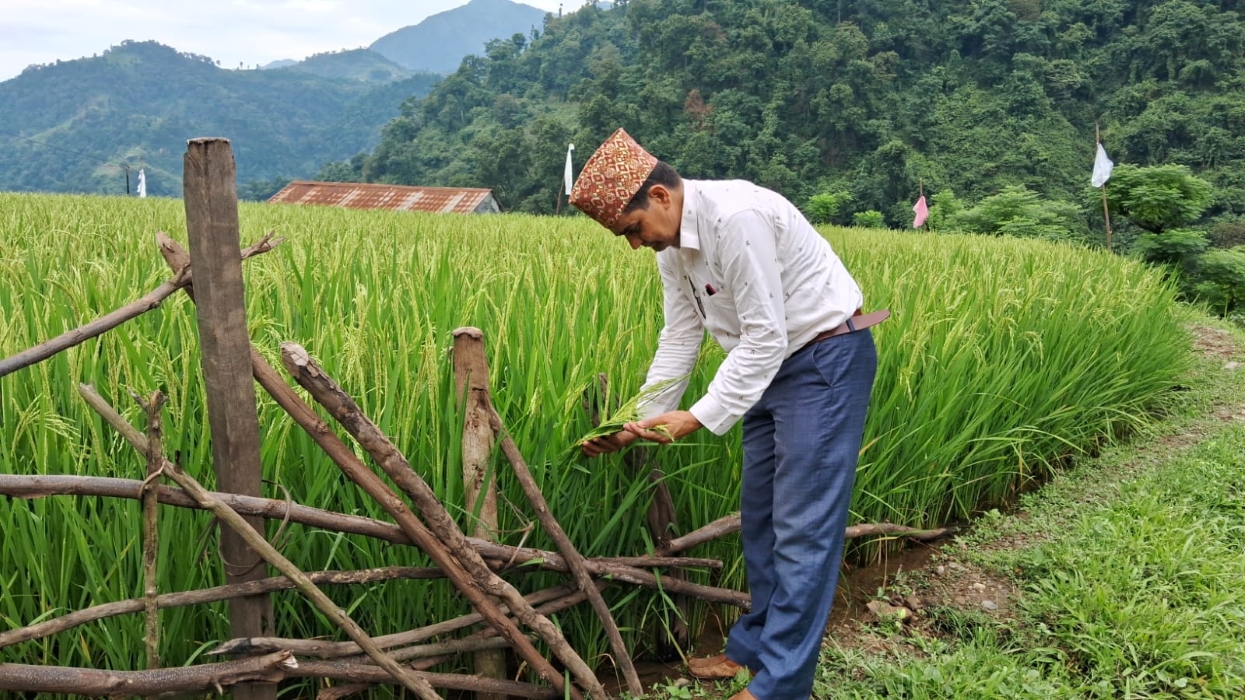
{"x":715,"y":668}
{"x":702,"y":662}
{"x":744,"y":694}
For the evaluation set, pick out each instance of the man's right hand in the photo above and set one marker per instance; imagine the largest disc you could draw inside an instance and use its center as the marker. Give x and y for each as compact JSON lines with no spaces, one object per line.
{"x":607,"y":444}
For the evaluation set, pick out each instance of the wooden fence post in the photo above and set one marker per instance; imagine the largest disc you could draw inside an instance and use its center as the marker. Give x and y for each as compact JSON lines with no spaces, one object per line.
{"x":211,"y":200}
{"x":471,"y":381}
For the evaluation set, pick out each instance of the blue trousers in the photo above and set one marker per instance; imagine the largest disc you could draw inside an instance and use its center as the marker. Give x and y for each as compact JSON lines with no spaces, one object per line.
{"x":801,"y":443}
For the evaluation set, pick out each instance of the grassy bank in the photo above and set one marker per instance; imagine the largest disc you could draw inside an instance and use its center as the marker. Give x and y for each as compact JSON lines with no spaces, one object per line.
{"x":1124,"y":578}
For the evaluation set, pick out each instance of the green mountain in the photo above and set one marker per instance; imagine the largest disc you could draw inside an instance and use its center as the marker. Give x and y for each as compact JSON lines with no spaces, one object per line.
{"x":439,"y":43}
{"x":73,"y":125}
{"x":351,"y":64}
{"x":866,"y":101}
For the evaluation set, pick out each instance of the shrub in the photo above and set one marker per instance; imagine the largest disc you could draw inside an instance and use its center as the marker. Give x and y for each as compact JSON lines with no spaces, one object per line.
{"x":822,"y":208}
{"x":1179,"y":247}
{"x":1020,"y":212}
{"x":1222,"y":279}
{"x":869,"y":219}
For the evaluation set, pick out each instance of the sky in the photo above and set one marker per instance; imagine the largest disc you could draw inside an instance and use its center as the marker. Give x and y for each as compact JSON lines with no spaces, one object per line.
{"x":249,"y":32}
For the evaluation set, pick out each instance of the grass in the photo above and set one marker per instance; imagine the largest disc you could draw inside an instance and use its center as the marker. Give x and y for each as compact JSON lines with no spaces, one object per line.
{"x":1004,"y":359}
{"x":1130,"y":573}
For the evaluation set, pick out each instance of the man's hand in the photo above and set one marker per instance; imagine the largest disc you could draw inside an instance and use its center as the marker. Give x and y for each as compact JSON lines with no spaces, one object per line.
{"x":604,"y":445}
{"x":677,"y":424}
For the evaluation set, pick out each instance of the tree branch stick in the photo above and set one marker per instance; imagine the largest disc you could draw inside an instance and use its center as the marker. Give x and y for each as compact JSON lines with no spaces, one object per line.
{"x":92,"y":682}
{"x":347,"y":412}
{"x":40,"y":486}
{"x":151,"y":531}
{"x":371,"y":674}
{"x":730,"y":523}
{"x":115,"y":318}
{"x":549,"y":608}
{"x":227,"y":515}
{"x":206,"y":595}
{"x":333,"y":650}
{"x":375,"y":487}
{"x":256,"y":542}
{"x":622,"y":657}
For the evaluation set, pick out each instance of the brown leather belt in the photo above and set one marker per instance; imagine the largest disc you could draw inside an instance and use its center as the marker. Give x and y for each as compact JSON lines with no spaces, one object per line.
{"x":857,"y":322}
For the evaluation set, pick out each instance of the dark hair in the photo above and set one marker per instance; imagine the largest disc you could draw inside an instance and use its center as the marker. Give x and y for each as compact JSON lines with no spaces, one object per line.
{"x":663,"y":174}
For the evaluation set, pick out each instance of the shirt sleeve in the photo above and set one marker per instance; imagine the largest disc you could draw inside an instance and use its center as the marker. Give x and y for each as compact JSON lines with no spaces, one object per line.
{"x":678,"y":345}
{"x":748,"y":252}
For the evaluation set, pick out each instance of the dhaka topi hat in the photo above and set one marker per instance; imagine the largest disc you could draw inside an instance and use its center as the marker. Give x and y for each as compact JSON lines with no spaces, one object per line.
{"x":611,"y":177}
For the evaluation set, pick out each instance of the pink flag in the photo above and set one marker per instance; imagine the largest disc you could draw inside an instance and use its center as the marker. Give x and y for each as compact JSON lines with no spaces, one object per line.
{"x":921,"y":212}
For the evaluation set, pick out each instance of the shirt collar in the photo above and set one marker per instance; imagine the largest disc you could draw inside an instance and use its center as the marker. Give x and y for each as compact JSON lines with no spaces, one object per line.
{"x":689,"y":235}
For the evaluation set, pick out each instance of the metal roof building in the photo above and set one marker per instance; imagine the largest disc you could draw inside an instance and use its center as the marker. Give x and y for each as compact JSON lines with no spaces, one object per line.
{"x":358,"y":195}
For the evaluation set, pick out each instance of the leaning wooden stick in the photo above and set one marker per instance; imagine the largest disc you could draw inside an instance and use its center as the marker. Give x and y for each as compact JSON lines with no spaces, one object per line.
{"x":117,"y":684}
{"x":256,"y":541}
{"x":151,"y":536}
{"x":329,"y":395}
{"x":574,"y":559}
{"x":108,"y":321}
{"x":374,"y":486}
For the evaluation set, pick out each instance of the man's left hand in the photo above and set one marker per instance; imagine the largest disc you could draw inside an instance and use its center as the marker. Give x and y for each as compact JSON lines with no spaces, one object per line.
{"x":677,"y":423}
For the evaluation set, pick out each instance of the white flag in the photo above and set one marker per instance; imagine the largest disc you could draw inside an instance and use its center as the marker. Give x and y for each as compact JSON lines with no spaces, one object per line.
{"x":142,"y":183}
{"x":1102,"y":168}
{"x":568,"y":176}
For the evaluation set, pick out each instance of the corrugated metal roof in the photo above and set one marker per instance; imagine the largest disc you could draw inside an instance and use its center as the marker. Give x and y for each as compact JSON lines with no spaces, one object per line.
{"x":357,"y":195}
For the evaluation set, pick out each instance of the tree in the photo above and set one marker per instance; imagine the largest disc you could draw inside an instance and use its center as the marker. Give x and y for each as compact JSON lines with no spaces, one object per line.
{"x":1157,"y":198}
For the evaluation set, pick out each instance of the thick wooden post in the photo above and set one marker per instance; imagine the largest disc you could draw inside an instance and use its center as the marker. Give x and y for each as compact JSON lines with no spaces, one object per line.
{"x":471,"y":380}
{"x":211,"y":199}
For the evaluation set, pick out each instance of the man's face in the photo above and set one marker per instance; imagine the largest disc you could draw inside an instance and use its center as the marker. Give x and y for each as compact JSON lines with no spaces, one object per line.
{"x":655,"y":226}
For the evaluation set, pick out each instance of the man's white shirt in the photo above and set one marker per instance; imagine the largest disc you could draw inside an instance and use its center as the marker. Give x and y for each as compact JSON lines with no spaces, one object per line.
{"x":758,"y":277}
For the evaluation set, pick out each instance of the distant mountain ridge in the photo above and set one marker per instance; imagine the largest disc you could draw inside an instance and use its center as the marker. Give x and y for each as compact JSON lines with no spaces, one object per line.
{"x":70,"y":126}
{"x":73,"y":126}
{"x":439,"y":43}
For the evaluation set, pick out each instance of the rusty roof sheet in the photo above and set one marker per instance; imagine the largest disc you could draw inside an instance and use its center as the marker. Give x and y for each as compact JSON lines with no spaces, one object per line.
{"x":358,"y":195}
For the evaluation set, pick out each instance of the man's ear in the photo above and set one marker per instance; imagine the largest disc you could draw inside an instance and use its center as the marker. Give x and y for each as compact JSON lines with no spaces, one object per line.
{"x":660,"y":194}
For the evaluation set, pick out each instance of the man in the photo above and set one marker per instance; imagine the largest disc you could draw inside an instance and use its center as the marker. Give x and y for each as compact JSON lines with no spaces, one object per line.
{"x":741,"y":262}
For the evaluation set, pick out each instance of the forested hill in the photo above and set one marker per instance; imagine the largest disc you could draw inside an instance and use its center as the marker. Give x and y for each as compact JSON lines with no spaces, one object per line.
{"x":871,"y":99}
{"x":67,"y":127}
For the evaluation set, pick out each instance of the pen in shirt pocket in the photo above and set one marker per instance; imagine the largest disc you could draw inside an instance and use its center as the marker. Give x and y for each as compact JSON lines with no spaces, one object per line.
{"x":710,"y":290}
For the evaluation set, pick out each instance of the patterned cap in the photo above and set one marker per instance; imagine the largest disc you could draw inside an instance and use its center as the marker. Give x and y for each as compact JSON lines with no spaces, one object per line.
{"x":611,"y":177}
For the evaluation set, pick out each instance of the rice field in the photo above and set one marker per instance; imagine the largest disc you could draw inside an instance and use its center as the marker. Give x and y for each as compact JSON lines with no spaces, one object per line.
{"x":1003,"y":359}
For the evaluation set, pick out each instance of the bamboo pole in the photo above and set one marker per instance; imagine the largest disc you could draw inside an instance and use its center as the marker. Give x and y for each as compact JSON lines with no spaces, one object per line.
{"x":329,"y":395}
{"x":622,"y":657}
{"x":260,"y":546}
{"x":1106,"y":213}
{"x":375,"y":487}
{"x":479,"y":483}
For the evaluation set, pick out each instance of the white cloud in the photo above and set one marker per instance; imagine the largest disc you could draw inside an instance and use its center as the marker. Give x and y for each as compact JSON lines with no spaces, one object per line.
{"x":231,"y":31}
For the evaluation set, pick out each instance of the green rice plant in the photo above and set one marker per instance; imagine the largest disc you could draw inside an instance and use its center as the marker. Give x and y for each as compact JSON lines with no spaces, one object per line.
{"x":613,"y":421}
{"x":1004,"y":359}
